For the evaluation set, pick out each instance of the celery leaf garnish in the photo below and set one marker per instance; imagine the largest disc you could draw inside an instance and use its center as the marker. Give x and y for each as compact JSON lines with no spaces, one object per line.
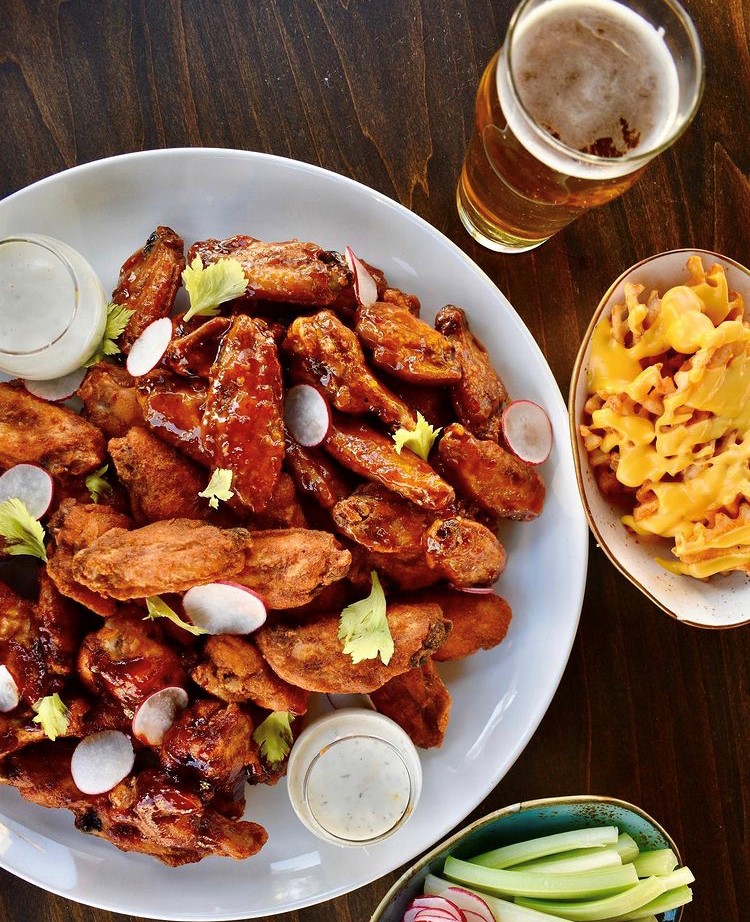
{"x":363,"y":627}
{"x":210,"y":286}
{"x":158,"y":608}
{"x":219,"y":487}
{"x":419,"y":439}
{"x":274,"y":736}
{"x":51,"y":715}
{"x":97,"y":485}
{"x":117,"y":319}
{"x":22,"y":533}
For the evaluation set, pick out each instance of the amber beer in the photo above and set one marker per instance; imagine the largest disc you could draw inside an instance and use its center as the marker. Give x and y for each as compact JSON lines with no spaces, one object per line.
{"x":582,"y":95}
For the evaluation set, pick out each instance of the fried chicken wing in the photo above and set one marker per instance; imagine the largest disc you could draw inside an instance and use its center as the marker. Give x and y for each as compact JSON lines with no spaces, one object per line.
{"x":75,"y":526}
{"x":406,"y":346}
{"x":434,"y":403}
{"x":480,"y":394}
{"x":34,"y":431}
{"x":404,"y":571}
{"x":283,"y":509}
{"x":148,"y":282}
{"x":327,"y":354}
{"x":169,"y":556}
{"x":110,"y":399}
{"x":173,"y":408}
{"x":370,"y":454}
{"x":161,"y":483}
{"x":194,"y":353}
{"x":382,"y":521}
{"x":490,"y":476}
{"x":288,"y":567}
{"x":480,"y":622}
{"x":463,"y":552}
{"x":243,"y":420}
{"x":310,"y":655}
{"x":315,"y":475}
{"x":419,"y":702}
{"x":234,"y":671}
{"x":401,"y":299}
{"x":291,"y":271}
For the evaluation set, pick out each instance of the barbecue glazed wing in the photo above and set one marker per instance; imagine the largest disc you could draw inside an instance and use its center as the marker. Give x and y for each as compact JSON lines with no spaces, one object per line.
{"x":406,"y":346}
{"x":463,"y":552}
{"x":419,"y":702}
{"x":288,"y":567}
{"x":382,"y":521}
{"x":480,"y":622}
{"x":490,"y":476}
{"x":327,"y":354}
{"x":370,"y":454}
{"x":401,"y":299}
{"x":161,"y":483}
{"x":479,"y":396}
{"x":194,"y":353}
{"x":169,"y":556}
{"x":291,"y":271}
{"x":234,"y":670}
{"x":34,"y":431}
{"x":283,"y":509}
{"x":243,"y":420}
{"x":173,"y":408}
{"x":110,"y":399}
{"x":148,"y":282}
{"x":310,"y":655}
{"x":314,"y":474}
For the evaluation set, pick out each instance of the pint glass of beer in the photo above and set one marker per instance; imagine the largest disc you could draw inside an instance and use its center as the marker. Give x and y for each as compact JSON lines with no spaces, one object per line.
{"x":582,"y":94}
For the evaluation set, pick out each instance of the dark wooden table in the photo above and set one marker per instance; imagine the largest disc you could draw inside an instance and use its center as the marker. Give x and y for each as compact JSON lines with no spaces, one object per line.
{"x":382,"y":90}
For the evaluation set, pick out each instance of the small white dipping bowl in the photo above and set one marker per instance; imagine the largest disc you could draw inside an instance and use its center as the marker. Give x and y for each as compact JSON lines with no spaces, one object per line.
{"x":722,"y":601}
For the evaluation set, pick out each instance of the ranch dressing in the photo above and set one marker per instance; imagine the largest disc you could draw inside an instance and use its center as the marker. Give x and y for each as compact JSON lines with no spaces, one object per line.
{"x":53,"y":308}
{"x":354,"y":777}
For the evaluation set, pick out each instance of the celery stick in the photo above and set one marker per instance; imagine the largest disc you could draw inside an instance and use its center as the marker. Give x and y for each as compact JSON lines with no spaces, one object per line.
{"x":679,"y":896}
{"x":656,"y":863}
{"x":607,"y":908}
{"x":509,"y":855}
{"x":502,"y":910}
{"x":627,"y":848}
{"x":528,"y":883}
{"x":580,"y":859}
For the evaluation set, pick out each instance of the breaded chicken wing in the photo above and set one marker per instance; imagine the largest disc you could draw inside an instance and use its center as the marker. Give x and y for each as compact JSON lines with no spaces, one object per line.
{"x":233,"y":670}
{"x":315,"y":475}
{"x":406,"y":571}
{"x":34,"y":431}
{"x":406,"y":346}
{"x":480,"y":394}
{"x":310,"y":655}
{"x":382,"y":521}
{"x":148,"y":282}
{"x":480,"y":622}
{"x":370,"y":454}
{"x":419,"y":702}
{"x":288,"y":567}
{"x":327,"y":354}
{"x":110,"y":399}
{"x":291,"y":271}
{"x":194,"y":353}
{"x":243,"y":419}
{"x":463,"y":552}
{"x":490,"y":476}
{"x":173,"y":408}
{"x":169,"y":556}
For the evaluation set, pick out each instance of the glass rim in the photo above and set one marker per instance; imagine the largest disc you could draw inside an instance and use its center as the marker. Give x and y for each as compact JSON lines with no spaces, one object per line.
{"x":636,"y":158}
{"x":51,"y":247}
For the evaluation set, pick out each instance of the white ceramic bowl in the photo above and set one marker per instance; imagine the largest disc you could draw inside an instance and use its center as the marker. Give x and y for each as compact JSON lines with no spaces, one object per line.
{"x":721,"y":602}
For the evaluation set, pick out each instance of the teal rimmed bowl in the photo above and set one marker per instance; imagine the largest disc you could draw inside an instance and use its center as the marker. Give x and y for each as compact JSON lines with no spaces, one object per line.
{"x":527,"y":821}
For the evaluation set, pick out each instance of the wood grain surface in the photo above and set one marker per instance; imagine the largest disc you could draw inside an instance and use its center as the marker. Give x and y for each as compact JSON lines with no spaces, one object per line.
{"x":382,"y":90}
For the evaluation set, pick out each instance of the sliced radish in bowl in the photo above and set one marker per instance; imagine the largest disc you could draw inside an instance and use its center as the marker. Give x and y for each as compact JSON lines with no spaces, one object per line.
{"x":9,"y":696}
{"x":147,"y":351}
{"x":527,"y":430}
{"x":364,"y":284}
{"x":101,"y":760}
{"x":470,"y":903}
{"x":224,"y":608}
{"x":438,"y":904}
{"x":56,"y":389}
{"x":157,"y":713}
{"x":29,"y":483}
{"x":307,"y":415}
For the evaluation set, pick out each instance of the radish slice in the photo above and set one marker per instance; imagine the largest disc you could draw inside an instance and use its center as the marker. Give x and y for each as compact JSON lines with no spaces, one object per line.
{"x":364,"y":284}
{"x":101,"y":761}
{"x":438,"y":904}
{"x":157,"y":713}
{"x":410,"y":915}
{"x":473,"y":590}
{"x":527,"y":431}
{"x":29,"y":483}
{"x":147,"y":350}
{"x":306,"y":414}
{"x":436,"y":915}
{"x":224,"y":608}
{"x":56,"y":389}
{"x":9,"y":697}
{"x":469,"y":902}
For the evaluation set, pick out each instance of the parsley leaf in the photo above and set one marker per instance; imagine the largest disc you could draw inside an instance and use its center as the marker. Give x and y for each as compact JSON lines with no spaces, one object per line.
{"x":364,"y":627}
{"x":420,"y":439}
{"x":219,"y":487}
{"x":22,"y":533}
{"x":97,"y":485}
{"x":117,"y":319}
{"x":158,"y":608}
{"x":51,"y":715}
{"x":210,"y":286}
{"x":274,"y":736}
